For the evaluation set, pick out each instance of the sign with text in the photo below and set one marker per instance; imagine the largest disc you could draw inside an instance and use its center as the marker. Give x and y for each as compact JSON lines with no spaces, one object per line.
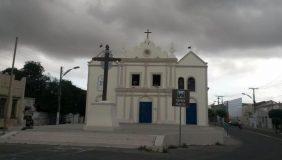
{"x":180,"y":97}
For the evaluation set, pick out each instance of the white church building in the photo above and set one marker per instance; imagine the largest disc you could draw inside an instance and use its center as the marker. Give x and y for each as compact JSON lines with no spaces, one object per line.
{"x":140,"y":86}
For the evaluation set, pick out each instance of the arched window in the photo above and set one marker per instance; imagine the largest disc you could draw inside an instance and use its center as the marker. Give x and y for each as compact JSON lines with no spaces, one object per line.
{"x":180,"y":83}
{"x":191,"y":84}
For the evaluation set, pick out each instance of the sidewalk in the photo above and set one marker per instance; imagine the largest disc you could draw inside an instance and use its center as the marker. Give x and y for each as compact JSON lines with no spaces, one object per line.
{"x":74,"y":135}
{"x":125,"y":136}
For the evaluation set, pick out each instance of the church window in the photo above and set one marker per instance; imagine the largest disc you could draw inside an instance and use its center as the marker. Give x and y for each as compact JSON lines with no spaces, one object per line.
{"x":135,"y":79}
{"x":156,"y":80}
{"x":191,"y":84}
{"x":180,"y":83}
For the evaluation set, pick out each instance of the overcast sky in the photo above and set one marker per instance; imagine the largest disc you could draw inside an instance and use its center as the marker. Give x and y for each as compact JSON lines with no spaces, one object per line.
{"x":241,"y":40}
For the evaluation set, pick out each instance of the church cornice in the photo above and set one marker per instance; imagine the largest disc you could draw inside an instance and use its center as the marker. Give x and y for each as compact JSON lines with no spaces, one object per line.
{"x":152,"y":60}
{"x":144,"y":90}
{"x":190,"y":66}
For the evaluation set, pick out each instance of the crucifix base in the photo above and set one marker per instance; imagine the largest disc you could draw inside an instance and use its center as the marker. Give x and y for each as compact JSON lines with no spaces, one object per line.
{"x":101,"y":116}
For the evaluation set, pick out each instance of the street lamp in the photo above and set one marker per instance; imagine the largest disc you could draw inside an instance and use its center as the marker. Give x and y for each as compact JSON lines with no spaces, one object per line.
{"x":253,"y":98}
{"x":247,"y":95}
{"x":62,"y":74}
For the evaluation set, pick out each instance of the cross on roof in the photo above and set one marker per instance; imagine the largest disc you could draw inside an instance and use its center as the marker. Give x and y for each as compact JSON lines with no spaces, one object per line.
{"x":147,"y":32}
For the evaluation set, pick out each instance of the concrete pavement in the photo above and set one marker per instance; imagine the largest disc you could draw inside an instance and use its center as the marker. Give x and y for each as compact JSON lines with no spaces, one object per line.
{"x":252,"y":146}
{"x":126,"y":136}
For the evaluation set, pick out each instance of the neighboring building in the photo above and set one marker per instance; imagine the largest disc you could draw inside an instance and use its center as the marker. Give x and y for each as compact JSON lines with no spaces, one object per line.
{"x":247,"y":114}
{"x":259,"y":118}
{"x":73,"y":118}
{"x":16,"y":110}
{"x":141,"y":84}
{"x":261,"y":112}
{"x":234,"y":108}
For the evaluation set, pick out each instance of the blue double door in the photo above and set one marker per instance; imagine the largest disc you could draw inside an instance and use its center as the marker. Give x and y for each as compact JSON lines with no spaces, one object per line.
{"x":191,"y":114}
{"x":145,"y":112}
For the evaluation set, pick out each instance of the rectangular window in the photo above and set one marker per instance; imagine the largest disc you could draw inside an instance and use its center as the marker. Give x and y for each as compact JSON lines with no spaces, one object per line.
{"x":135,"y":79}
{"x":156,"y":80}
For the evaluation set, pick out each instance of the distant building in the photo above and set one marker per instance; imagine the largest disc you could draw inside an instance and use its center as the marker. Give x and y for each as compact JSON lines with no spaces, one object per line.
{"x":258,"y":117}
{"x":247,"y":114}
{"x":15,"y":113}
{"x":233,"y":109}
{"x":261,"y":112}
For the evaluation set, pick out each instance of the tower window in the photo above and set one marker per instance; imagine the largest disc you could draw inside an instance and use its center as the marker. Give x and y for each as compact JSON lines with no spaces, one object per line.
{"x":156,"y":80}
{"x":191,"y":84}
{"x":180,"y":83}
{"x":135,"y":79}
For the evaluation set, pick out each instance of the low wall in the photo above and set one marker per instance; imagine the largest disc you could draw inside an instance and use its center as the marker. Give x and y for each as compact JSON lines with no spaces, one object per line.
{"x":211,"y":137}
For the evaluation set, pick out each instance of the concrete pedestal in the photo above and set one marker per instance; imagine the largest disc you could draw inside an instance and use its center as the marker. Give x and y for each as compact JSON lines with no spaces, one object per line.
{"x":101,"y":116}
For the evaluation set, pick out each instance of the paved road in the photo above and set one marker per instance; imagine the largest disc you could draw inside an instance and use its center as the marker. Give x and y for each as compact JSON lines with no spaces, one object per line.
{"x":254,"y":146}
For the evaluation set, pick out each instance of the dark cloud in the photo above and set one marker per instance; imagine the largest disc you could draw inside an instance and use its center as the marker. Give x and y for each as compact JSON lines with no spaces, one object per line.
{"x":66,"y":30}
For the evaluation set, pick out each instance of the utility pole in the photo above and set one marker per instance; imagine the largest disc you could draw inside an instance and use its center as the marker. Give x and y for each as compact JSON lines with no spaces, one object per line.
{"x":59,"y":97}
{"x":218,"y":98}
{"x":62,"y":74}
{"x":9,"y":100}
{"x":254,"y":97}
{"x":222,"y":100}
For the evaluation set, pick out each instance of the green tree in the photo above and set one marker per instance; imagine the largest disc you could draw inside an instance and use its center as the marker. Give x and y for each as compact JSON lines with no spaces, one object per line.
{"x":221,"y":113}
{"x":18,"y":73}
{"x":35,"y":80}
{"x":33,"y":69}
{"x":44,"y":88}
{"x":48,"y":99}
{"x":212,"y":115}
{"x":276,"y":116}
{"x":73,"y":98}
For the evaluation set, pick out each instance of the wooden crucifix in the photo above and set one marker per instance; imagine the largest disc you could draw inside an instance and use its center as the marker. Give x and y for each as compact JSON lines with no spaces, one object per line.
{"x":106,"y":59}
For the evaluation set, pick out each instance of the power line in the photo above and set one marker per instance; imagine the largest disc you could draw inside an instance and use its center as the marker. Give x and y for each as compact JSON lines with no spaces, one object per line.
{"x":271,"y":86}
{"x":267,"y":84}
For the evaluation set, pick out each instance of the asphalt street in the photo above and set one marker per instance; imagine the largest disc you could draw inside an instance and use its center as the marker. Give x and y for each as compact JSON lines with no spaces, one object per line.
{"x":253,"y":145}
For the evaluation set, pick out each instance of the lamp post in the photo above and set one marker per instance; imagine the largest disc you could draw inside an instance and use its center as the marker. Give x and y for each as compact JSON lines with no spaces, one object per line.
{"x":62,"y":74}
{"x":253,"y":98}
{"x":245,"y":94}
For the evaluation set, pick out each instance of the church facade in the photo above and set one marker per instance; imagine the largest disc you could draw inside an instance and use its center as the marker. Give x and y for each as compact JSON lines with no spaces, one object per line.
{"x":140,"y":86}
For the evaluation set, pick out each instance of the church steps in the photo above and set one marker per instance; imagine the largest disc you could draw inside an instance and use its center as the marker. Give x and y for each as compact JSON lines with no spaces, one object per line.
{"x":82,"y":139}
